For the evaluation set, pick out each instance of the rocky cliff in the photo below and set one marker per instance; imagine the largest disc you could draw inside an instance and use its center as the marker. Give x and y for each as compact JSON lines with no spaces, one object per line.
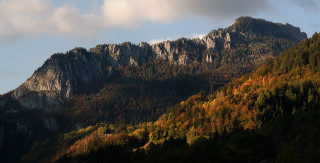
{"x":58,"y":78}
{"x":64,"y":75}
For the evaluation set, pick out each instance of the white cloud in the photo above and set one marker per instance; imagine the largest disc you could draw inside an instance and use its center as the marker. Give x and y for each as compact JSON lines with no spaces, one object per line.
{"x":19,"y":18}
{"x":199,"y":36}
{"x":307,"y":4}
{"x":156,"y":41}
{"x":128,"y":13}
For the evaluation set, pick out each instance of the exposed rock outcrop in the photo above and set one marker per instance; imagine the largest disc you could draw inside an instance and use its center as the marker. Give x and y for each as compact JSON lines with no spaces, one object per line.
{"x":209,"y":58}
{"x":58,"y":79}
{"x":133,"y":62}
{"x":183,"y":60}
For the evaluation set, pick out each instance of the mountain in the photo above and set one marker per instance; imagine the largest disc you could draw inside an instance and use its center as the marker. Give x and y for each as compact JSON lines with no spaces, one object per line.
{"x":221,"y":55}
{"x":269,"y":115}
{"x":247,"y":41}
{"x":129,"y":83}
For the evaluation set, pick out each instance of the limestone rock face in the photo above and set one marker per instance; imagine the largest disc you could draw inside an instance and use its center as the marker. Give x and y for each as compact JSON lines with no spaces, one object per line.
{"x":181,"y":51}
{"x":183,"y":60}
{"x":58,"y":79}
{"x":218,"y":40}
{"x":210,"y":42}
{"x":133,"y":62}
{"x":209,"y":58}
{"x":227,"y":43}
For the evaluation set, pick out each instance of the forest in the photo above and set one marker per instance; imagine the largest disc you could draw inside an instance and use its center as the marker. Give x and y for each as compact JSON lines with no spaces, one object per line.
{"x":268,"y":115}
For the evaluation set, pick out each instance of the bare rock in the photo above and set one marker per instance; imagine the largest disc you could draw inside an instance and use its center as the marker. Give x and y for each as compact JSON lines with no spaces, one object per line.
{"x":209,"y":58}
{"x":183,"y":60}
{"x":133,"y":62}
{"x":227,"y":43}
{"x":210,"y":42}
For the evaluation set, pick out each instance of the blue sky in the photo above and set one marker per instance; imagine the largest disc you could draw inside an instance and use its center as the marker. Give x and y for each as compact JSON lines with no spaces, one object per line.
{"x":32,"y":30}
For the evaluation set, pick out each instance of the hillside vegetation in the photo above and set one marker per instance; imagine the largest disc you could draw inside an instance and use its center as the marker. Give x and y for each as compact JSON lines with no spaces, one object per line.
{"x":270,"y":114}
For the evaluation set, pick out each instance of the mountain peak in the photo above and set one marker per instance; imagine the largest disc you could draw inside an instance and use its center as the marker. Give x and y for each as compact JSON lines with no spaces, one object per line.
{"x":247,"y":20}
{"x":257,"y":26}
{"x":242,"y":19}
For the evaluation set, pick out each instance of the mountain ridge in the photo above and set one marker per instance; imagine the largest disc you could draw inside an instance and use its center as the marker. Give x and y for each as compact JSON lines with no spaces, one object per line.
{"x":63,"y":75}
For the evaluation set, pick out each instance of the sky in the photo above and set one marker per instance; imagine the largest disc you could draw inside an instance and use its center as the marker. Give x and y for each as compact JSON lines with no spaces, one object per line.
{"x":33,"y":30}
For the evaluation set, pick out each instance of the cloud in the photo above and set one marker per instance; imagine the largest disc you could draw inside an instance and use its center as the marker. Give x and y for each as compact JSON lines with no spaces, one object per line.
{"x":307,"y":4}
{"x":129,"y":13}
{"x":199,"y":36}
{"x":156,"y":41}
{"x":20,"y":18}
